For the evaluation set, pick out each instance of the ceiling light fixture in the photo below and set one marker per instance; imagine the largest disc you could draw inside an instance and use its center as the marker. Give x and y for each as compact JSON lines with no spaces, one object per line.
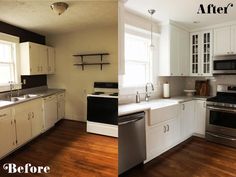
{"x":59,"y":7}
{"x":151,"y":12}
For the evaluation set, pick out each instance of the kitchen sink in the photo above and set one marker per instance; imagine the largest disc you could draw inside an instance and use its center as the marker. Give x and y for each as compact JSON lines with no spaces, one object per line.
{"x":20,"y":98}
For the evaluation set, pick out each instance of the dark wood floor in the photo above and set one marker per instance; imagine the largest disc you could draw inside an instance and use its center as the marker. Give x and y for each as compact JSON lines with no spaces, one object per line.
{"x":70,"y":152}
{"x":194,"y":158}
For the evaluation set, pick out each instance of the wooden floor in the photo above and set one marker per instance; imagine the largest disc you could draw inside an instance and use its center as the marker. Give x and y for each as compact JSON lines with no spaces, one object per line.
{"x":194,"y":158}
{"x":70,"y":152}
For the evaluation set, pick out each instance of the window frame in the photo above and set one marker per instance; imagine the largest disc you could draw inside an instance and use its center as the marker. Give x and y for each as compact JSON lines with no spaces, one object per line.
{"x":132,"y":30}
{"x":14,"y":41}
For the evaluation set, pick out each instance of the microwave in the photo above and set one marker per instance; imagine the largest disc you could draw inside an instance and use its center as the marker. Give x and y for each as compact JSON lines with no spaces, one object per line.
{"x":224,"y":64}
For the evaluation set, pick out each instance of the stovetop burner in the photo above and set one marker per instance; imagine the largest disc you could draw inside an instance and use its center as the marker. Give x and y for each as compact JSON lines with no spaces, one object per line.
{"x":98,"y":93}
{"x":220,"y":99}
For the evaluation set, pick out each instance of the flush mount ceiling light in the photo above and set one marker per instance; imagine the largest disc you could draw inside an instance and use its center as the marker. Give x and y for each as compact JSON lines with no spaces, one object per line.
{"x":151,"y":12}
{"x":59,"y":7}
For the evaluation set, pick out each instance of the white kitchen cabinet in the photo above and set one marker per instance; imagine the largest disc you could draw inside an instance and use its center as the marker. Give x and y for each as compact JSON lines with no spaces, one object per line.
{"x":36,"y":117}
{"x":187,"y":119}
{"x":36,"y":59}
{"x":23,"y":123}
{"x":225,"y":40}
{"x":60,"y":106}
{"x":51,"y":60}
{"x":7,"y":132}
{"x":200,"y":117}
{"x":174,"y":51}
{"x":201,"y":53}
{"x":29,"y":120}
{"x":162,"y":130}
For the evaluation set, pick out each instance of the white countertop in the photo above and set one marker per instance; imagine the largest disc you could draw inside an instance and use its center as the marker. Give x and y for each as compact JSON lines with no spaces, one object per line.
{"x":155,"y":104}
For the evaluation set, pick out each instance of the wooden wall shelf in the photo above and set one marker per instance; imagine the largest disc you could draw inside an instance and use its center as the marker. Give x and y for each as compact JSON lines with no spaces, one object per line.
{"x":82,"y":64}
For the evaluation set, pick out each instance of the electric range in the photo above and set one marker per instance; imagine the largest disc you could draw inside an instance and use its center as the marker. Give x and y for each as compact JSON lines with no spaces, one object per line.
{"x":102,"y":109}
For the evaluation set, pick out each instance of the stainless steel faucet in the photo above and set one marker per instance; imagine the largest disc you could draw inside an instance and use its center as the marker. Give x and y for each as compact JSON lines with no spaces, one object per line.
{"x":148,"y":94}
{"x":11,"y":88}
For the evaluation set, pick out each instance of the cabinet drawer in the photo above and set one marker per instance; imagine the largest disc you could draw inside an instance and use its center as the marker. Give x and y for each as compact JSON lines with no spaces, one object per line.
{"x":163,"y":114}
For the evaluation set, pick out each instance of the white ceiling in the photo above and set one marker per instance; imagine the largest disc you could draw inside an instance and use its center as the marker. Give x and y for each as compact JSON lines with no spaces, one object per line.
{"x":183,"y":11}
{"x":37,"y":16}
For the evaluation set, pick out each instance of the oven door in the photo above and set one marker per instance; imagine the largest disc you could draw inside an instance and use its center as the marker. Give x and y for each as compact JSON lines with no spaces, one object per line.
{"x":102,"y":110}
{"x":221,"y":120}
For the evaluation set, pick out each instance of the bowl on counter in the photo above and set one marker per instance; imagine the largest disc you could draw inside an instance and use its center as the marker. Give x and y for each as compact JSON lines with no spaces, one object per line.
{"x":190,"y":92}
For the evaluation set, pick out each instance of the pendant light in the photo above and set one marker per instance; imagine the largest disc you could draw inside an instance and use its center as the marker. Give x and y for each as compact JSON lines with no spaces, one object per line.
{"x":151,"y":12}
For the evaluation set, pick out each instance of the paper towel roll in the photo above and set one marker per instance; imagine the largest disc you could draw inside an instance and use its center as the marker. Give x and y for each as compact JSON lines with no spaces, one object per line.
{"x":166,"y":90}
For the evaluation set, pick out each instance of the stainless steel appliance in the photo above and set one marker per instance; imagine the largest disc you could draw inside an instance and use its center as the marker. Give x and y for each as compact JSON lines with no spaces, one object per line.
{"x":132,"y":141}
{"x":221,"y":116}
{"x":102,"y":109}
{"x":224,"y":64}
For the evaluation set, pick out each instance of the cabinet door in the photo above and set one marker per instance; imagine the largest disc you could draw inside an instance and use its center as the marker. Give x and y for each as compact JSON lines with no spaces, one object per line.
{"x":23,"y":123}
{"x":61,"y":106}
{"x":37,"y":117}
{"x":222,"y":45}
{"x":200,"y":117}
{"x":156,"y":140}
{"x":7,"y":132}
{"x":174,"y":51}
{"x":233,"y":39}
{"x":51,"y":60}
{"x":187,"y":119}
{"x":34,"y":57}
{"x":172,"y":132}
{"x":43,"y":60}
{"x":206,"y":53}
{"x":184,"y":53}
{"x":195,"y":54}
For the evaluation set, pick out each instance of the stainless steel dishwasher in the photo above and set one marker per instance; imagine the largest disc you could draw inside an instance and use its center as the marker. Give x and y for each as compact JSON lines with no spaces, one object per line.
{"x":132,"y":141}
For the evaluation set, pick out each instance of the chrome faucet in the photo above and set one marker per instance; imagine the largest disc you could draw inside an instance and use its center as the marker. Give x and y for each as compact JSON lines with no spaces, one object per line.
{"x":11,"y":88}
{"x":148,"y":94}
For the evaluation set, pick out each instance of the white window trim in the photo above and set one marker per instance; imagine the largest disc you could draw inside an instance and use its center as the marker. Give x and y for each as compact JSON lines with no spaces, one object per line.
{"x":16,"y":40}
{"x":146,"y":34}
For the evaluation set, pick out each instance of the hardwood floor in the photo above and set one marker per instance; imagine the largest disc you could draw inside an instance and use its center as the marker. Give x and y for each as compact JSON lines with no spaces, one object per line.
{"x":69,"y":152}
{"x":194,"y":158}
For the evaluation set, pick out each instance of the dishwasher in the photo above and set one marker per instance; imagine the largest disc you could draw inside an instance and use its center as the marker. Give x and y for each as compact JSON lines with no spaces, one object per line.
{"x":132,"y":141}
{"x":49,"y":111}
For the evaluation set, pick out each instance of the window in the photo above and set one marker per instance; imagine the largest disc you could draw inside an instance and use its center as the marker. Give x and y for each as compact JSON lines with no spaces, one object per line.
{"x":137,"y":61}
{"x":140,"y":59}
{"x":8,"y":61}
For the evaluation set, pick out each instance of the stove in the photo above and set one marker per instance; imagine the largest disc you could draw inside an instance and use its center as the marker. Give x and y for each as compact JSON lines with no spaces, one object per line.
{"x":102,"y":109}
{"x":221,"y":116}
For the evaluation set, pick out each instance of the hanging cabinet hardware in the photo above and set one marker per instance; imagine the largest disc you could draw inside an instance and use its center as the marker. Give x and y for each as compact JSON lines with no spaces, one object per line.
{"x":83,"y":63}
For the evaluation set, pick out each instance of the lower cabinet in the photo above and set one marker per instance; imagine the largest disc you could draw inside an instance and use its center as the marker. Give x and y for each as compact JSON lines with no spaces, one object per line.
{"x":7,"y":132}
{"x":162,"y":136}
{"x":60,"y":106}
{"x":28,"y":120}
{"x":187,"y":119}
{"x":200,"y":117}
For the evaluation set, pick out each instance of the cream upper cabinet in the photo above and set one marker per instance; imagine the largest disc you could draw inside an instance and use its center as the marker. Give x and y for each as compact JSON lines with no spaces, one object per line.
{"x":51,"y":60}
{"x":35,"y":59}
{"x":174,"y":51}
{"x":7,"y":132}
{"x":225,"y":40}
{"x":201,"y":53}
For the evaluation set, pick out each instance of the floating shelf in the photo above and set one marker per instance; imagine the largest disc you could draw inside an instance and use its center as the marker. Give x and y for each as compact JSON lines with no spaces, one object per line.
{"x":82,"y":64}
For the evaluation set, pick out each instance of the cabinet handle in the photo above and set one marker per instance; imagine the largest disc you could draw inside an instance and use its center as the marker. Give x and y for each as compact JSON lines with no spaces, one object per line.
{"x":183,"y":106}
{"x":28,"y":116}
{"x":32,"y":114}
{"x":168,"y":128}
{"x":164,"y":129}
{"x":3,"y":115}
{"x":204,"y":104}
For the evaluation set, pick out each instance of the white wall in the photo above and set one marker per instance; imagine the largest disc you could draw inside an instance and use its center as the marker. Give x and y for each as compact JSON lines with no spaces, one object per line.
{"x":77,"y":82}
